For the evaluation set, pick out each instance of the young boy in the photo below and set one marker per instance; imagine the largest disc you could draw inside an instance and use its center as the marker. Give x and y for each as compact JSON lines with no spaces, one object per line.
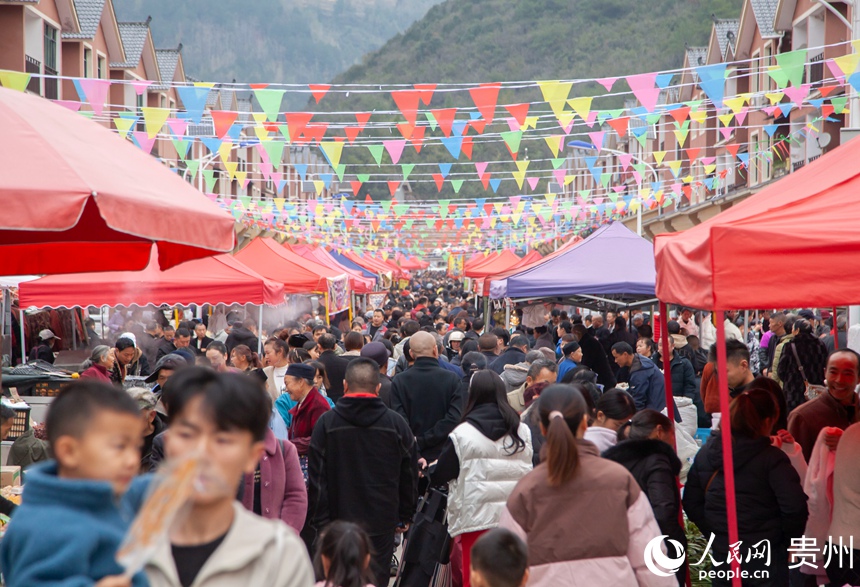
{"x":71,"y":522}
{"x":222,"y":418}
{"x":499,"y":559}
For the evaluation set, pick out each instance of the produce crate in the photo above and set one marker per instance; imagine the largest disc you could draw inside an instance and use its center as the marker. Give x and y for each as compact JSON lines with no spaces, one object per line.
{"x":47,"y":388}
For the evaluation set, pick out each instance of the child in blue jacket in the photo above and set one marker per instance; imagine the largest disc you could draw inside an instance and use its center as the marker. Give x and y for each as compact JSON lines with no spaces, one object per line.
{"x":72,"y":519}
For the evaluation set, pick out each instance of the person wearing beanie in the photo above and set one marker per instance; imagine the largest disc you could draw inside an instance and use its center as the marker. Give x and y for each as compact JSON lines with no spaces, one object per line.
{"x":572,"y":358}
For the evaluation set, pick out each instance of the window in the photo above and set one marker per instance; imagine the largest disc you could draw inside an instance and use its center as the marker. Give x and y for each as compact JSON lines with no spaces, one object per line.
{"x":102,"y":69}
{"x":756,"y":67}
{"x":50,"y":47}
{"x":163,"y":101}
{"x":767,"y":82}
{"x":88,"y":61}
{"x":755,"y":159}
{"x":139,"y":112}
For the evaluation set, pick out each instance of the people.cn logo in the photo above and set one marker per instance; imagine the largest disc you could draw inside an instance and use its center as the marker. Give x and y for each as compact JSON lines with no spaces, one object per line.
{"x":660,"y":564}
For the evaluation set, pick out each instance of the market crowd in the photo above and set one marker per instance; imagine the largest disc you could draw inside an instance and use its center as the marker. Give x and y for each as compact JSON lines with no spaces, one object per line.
{"x":550,"y":441}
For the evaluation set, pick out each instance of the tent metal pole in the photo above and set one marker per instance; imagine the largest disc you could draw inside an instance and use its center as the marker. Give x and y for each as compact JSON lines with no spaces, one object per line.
{"x":726,"y":438}
{"x":23,"y":342}
{"x":508,"y":314}
{"x":74,"y":341}
{"x":835,"y":330}
{"x":260,"y":332}
{"x":667,"y":368}
{"x":746,"y":323}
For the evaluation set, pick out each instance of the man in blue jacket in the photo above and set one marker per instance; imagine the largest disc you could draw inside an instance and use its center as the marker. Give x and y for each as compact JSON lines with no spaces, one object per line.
{"x":646,"y":380}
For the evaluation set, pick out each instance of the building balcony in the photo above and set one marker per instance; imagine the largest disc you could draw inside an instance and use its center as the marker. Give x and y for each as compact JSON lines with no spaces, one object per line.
{"x":51,"y":84}
{"x":34,"y":68}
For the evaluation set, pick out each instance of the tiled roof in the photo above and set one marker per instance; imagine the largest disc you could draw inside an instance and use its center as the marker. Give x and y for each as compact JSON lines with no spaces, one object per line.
{"x":212,"y":98}
{"x":89,"y":15}
{"x":244,"y":107}
{"x":722,"y":29}
{"x":167,"y":61}
{"x":133,"y":35}
{"x":696,"y":56}
{"x":765,"y":13}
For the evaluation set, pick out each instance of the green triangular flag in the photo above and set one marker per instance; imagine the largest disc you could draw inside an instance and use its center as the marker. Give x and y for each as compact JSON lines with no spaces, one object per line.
{"x":386,"y":206}
{"x":558,"y":162}
{"x":839,"y":104}
{"x":181,"y":146}
{"x":192,"y":166}
{"x":512,"y":139}
{"x":792,"y":65}
{"x":456,"y":184}
{"x":431,"y":119}
{"x":443,"y":204}
{"x":209,"y":176}
{"x":604,"y":179}
{"x":275,"y":151}
{"x":340,"y":170}
{"x":362,"y":177}
{"x":430,"y":222}
{"x":407,"y":169}
{"x":270,"y":102}
{"x":376,"y":151}
{"x":401,"y":209}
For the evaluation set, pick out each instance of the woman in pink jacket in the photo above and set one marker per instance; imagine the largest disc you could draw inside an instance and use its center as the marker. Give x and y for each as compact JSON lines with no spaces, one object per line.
{"x":277,"y":489}
{"x":584,"y":518}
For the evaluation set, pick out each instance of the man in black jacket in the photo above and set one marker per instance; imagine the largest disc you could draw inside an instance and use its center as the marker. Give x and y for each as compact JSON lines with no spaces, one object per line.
{"x":362,"y":466}
{"x":514,"y":354}
{"x":335,"y":366}
{"x":428,"y":396}
{"x":243,"y":333}
{"x":594,"y":357}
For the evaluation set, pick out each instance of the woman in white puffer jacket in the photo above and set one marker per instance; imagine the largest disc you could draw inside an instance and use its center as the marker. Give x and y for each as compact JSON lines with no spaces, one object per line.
{"x":482,"y":461}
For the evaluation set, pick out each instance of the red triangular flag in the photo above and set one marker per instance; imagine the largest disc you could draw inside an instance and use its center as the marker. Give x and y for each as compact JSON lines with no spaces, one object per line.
{"x":393,"y":185}
{"x":356,"y":187}
{"x":437,"y":177}
{"x":692,"y":154}
{"x":259,"y":86}
{"x":297,"y":121}
{"x":478,"y":125}
{"x":733,"y":149}
{"x":827,"y":90}
{"x":319,"y":90}
{"x":680,"y":114}
{"x":445,"y":119}
{"x":519,"y":112}
{"x":407,"y":102}
{"x":426,"y":92}
{"x":485,"y":180}
{"x":351,"y":133}
{"x":417,"y":138}
{"x":466,"y":147}
{"x":223,"y":120}
{"x":485,"y":97}
{"x":368,"y":199}
{"x":488,"y":209}
{"x":619,"y":124}
{"x":362,"y":118}
{"x":826,"y":110}
{"x":406,"y":129}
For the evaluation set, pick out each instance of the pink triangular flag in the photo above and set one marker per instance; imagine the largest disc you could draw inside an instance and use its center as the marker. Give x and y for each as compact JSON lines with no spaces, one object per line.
{"x":177,"y":127}
{"x":513,"y":124}
{"x":625,"y":161}
{"x":592,"y":118}
{"x":140,"y":86}
{"x":607,"y":82}
{"x":797,"y":95}
{"x":72,"y":105}
{"x":481,"y":168}
{"x":642,"y":86}
{"x":96,"y":91}
{"x":533,"y":181}
{"x":836,"y":71}
{"x":395,"y":149}
{"x":143,"y":141}
{"x":742,"y":115}
{"x":597,"y":138}
{"x":559,"y":176}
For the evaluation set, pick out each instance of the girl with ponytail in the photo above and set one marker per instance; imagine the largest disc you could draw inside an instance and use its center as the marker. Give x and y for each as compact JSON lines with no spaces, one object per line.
{"x":770,"y":498}
{"x":582,"y":516}
{"x":343,"y":556}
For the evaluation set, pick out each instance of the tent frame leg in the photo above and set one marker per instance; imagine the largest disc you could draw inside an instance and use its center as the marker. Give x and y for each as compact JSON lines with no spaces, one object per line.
{"x":260,"y":332}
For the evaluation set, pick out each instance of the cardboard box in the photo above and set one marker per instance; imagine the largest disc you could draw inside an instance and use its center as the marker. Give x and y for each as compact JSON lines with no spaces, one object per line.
{"x":10,"y":476}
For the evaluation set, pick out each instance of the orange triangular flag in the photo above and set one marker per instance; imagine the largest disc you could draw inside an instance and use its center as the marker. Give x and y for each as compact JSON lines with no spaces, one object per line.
{"x":426,"y":92}
{"x":319,"y":90}
{"x":351,"y":133}
{"x":466,"y":147}
{"x":519,"y":112}
{"x":680,"y":114}
{"x":417,"y":138}
{"x":223,"y":120}
{"x":407,"y":102}
{"x":445,"y":118}
{"x":619,"y":124}
{"x":485,"y":97}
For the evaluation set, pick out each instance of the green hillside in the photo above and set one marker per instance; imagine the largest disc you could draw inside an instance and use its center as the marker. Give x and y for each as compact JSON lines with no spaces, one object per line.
{"x":511,"y":40}
{"x":287,"y":41}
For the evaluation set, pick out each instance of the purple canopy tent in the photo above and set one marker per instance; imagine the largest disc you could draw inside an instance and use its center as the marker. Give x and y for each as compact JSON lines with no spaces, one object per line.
{"x":612,"y":267}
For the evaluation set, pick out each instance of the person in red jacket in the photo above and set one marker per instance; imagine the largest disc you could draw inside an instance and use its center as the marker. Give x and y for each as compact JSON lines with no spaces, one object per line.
{"x":311,"y":405}
{"x":100,"y":364}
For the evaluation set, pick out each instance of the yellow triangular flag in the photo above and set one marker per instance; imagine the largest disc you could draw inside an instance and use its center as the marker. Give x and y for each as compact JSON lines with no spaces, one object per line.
{"x":319,"y":186}
{"x":774,"y":97}
{"x":154,"y":119}
{"x":699,"y":116}
{"x":581,"y":106}
{"x":224,"y":150}
{"x":231,"y":168}
{"x":333,"y":150}
{"x":736,"y":104}
{"x":658,"y":156}
{"x":555,"y":94}
{"x":726,"y":119}
{"x":240,"y":177}
{"x":14,"y":80}
{"x":531,"y":122}
{"x":554,"y":144}
{"x":847,"y":64}
{"x":123,"y":125}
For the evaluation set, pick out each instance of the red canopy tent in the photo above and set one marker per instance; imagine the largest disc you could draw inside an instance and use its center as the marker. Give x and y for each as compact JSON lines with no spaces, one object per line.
{"x":809,"y":217}
{"x":504,"y":261}
{"x":358,"y":282}
{"x":212,"y":280}
{"x":78,"y":198}
{"x":480,"y":259}
{"x":412,"y":263}
{"x":374,"y":264}
{"x":268,"y":258}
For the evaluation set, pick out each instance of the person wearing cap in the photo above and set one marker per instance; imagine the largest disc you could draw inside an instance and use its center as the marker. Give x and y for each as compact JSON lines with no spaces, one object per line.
{"x":153,"y":425}
{"x":572,"y":358}
{"x":455,"y":340}
{"x":299,"y":383}
{"x":44,"y":351}
{"x":377,"y":352}
{"x":164,"y":369}
{"x":363,"y":465}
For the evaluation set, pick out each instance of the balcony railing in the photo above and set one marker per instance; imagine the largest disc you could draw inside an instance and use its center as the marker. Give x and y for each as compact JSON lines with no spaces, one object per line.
{"x":32,"y":66}
{"x":51,"y":84}
{"x":815,"y":70}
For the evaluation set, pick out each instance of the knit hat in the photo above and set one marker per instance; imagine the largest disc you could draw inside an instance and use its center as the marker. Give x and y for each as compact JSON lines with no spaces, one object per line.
{"x":301,"y":370}
{"x":570,"y":347}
